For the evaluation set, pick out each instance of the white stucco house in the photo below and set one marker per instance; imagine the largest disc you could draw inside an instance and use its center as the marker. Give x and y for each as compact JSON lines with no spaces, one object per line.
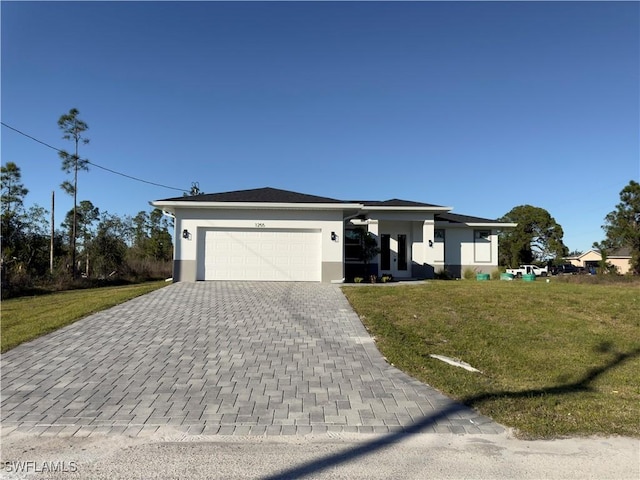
{"x":277,"y":235}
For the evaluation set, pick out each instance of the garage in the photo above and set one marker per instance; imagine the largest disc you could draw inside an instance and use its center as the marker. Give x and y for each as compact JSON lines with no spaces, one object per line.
{"x":262,"y":254}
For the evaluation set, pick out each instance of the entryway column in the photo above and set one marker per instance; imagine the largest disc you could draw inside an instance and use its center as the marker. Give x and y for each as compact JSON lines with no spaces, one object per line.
{"x":428,"y":235}
{"x":372,"y":227}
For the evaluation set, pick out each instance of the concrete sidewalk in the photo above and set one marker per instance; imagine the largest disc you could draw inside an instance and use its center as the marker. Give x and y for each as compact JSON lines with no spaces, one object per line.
{"x":220,"y":358}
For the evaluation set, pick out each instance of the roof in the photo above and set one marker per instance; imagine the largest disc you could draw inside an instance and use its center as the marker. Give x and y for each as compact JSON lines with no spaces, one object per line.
{"x":256,"y":198}
{"x":455,"y":218}
{"x":394,"y":202}
{"x":622,"y":252}
{"x":260,"y":195}
{"x":274,"y":195}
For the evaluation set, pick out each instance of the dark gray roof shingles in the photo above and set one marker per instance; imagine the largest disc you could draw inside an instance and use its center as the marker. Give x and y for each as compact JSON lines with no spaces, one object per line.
{"x":274,"y":195}
{"x":266,"y":195}
{"x":455,"y":218}
{"x":394,"y":202}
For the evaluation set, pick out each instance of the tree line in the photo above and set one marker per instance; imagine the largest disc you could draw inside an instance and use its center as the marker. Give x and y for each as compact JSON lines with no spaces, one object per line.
{"x":90,"y":244}
{"x":538,"y":238}
{"x":97,"y":245}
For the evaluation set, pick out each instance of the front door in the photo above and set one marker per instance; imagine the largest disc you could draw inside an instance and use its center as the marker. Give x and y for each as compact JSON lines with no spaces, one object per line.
{"x":394,"y":254}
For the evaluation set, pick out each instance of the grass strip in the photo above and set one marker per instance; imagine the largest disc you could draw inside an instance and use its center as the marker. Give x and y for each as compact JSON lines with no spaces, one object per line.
{"x":26,"y":318}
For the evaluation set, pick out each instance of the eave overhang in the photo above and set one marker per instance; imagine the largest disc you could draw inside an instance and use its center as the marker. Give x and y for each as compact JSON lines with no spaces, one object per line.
{"x":172,"y":206}
{"x":497,"y":226}
{"x":375,"y":208}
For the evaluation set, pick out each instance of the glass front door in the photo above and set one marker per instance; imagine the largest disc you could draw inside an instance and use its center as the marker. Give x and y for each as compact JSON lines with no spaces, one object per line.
{"x":394,"y":253}
{"x":402,"y":252}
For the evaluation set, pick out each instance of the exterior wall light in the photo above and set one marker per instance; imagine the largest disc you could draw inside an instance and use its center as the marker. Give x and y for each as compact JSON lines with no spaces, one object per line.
{"x":334,"y":237}
{"x":431,"y":243}
{"x":185,"y":233}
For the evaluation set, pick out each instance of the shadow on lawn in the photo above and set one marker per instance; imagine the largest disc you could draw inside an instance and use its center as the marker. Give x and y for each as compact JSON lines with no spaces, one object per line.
{"x":367,"y":448}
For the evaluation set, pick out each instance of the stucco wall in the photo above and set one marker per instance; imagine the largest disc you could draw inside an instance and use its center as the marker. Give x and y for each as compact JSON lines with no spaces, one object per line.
{"x":462,"y":252}
{"x":622,"y":264}
{"x":458,"y":251}
{"x":188,"y":250}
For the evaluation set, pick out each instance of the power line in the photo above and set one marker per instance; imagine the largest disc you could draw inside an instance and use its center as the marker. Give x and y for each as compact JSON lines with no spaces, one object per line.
{"x":94,"y":164}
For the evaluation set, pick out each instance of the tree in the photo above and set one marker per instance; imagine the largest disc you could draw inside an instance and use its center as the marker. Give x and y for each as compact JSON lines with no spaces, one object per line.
{"x":26,"y":250}
{"x":108,"y":249}
{"x":537,"y":238}
{"x":622,"y":226}
{"x":13,"y":192}
{"x":86,"y":216}
{"x":33,"y":250}
{"x":73,"y":128}
{"x":152,"y":239}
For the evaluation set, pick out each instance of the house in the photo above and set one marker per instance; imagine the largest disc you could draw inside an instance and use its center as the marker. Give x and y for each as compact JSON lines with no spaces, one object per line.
{"x":278,"y":235}
{"x":620,"y":258}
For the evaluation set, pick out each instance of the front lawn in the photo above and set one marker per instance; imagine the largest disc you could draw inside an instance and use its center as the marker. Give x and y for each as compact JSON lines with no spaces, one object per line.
{"x":26,"y":318}
{"x":557,"y":359}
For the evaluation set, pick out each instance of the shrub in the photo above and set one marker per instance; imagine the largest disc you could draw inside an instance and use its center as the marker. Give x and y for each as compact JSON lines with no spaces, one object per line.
{"x":469,"y":273}
{"x":443,"y":274}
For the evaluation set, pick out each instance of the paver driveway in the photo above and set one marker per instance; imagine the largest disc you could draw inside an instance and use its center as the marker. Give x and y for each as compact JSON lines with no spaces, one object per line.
{"x":237,"y":358}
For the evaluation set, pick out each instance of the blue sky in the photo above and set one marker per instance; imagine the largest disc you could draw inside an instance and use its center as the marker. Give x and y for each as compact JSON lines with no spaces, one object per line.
{"x":481,"y":106}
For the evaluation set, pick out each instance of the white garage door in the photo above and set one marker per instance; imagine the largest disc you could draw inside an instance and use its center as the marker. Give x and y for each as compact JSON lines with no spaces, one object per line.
{"x":281,"y":255}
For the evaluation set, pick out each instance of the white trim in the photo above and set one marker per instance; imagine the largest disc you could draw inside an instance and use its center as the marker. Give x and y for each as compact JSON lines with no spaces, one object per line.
{"x":493,"y":225}
{"x":497,"y":226}
{"x":258,"y":205}
{"x":369,"y":208}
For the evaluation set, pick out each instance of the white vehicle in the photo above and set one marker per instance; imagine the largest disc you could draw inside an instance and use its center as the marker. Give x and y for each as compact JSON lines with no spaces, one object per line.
{"x":529,"y":269}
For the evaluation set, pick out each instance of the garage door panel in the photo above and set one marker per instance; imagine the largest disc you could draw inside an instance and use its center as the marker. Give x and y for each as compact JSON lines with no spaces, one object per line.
{"x":281,"y":255}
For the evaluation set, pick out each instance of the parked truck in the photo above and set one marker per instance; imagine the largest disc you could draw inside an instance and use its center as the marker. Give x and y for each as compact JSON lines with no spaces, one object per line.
{"x":529,"y":269}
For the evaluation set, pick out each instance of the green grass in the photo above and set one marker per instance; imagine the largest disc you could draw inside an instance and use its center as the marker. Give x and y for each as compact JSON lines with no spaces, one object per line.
{"x":26,"y":318}
{"x":557,"y":359}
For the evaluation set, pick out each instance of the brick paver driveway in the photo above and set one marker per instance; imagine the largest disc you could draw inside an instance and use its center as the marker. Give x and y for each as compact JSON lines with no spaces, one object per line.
{"x":209,"y":358}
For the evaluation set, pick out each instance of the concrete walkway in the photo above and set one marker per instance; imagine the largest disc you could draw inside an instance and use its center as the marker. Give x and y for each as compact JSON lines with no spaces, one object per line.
{"x":220,"y":358}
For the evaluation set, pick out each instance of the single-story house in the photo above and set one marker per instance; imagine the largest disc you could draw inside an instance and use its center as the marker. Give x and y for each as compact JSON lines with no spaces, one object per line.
{"x":279,"y":235}
{"x":620,"y":258}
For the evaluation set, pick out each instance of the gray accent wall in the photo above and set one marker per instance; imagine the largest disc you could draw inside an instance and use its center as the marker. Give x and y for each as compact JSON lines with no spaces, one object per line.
{"x":480,"y":268}
{"x":421,"y":270}
{"x":332,"y":271}
{"x":457,"y":271}
{"x":184,"y":270}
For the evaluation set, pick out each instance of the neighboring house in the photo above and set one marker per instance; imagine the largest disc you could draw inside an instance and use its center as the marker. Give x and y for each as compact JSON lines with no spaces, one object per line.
{"x":621,"y":259}
{"x":278,"y":235}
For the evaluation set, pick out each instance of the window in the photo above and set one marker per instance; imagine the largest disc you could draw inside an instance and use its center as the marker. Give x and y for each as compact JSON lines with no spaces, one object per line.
{"x":353,"y":244}
{"x":482,"y":246}
{"x":438,"y":234}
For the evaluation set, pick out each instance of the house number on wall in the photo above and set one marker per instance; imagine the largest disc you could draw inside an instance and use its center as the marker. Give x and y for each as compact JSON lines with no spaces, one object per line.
{"x":260,"y":225}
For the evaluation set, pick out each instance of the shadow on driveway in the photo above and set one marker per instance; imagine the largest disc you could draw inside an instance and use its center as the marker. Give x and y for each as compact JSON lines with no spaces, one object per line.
{"x":582,"y":385}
